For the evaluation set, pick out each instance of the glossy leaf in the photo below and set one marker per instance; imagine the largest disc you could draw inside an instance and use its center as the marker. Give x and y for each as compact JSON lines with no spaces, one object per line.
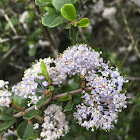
{"x":69,"y":106}
{"x":52,"y":20}
{"x":58,"y":4}
{"x":42,"y":101}
{"x":83,"y":22}
{"x":50,"y":8}
{"x":7,"y":124}
{"x":25,"y":130}
{"x":39,"y":3}
{"x":45,"y":71}
{"x":30,"y":114}
{"x":67,"y":97}
{"x":1,"y":132}
{"x":68,"y":12}
{"x":6,"y":117}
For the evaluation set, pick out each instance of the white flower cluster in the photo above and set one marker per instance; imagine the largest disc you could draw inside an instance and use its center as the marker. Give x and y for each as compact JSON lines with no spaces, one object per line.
{"x":54,"y":124}
{"x":4,"y":94}
{"x":101,"y":103}
{"x":32,"y":83}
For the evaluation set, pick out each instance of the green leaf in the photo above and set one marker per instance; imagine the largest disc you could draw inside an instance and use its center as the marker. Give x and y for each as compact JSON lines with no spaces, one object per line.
{"x":6,"y":117}
{"x":35,"y":136}
{"x":67,"y":26}
{"x":51,"y":88}
{"x":68,"y":12}
{"x":73,"y":33}
{"x":83,"y":22}
{"x":69,"y":106}
{"x":39,"y":3}
{"x":50,"y":8}
{"x":1,"y":132}
{"x":52,"y":20}
{"x":25,"y":130}
{"x":7,"y":124}
{"x":58,"y":4}
{"x":30,"y":114}
{"x":10,"y":110}
{"x":17,"y":100}
{"x":63,"y":98}
{"x":45,"y":0}
{"x":45,"y":71}
{"x":67,"y":97}
{"x":42,"y":101}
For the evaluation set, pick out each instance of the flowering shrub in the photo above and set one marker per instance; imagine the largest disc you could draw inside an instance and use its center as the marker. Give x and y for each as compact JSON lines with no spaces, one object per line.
{"x":101,"y":88}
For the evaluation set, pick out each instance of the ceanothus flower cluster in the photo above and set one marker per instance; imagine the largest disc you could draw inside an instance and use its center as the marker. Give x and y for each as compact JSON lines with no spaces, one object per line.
{"x":78,"y":59}
{"x":33,"y":85}
{"x":101,"y":102}
{"x":104,"y":99}
{"x":4,"y":94}
{"x":54,"y":124}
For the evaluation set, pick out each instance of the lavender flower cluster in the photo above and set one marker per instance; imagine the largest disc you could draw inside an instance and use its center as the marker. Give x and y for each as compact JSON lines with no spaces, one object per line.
{"x":54,"y":124}
{"x":101,"y":103}
{"x":32,"y":83}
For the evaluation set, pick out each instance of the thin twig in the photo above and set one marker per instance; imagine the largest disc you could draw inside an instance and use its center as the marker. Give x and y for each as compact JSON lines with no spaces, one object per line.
{"x":49,"y":36}
{"x":12,"y":38}
{"x":16,"y":66}
{"x":132,"y":78}
{"x":133,"y":44}
{"x":9,"y":21}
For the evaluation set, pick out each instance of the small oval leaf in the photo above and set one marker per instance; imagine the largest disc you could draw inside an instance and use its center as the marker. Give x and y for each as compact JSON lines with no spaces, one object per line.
{"x":83,"y":22}
{"x":25,"y":130}
{"x":6,"y":117}
{"x":30,"y":114}
{"x":45,"y":71}
{"x":52,"y":20}
{"x":68,"y":12}
{"x":7,"y":124}
{"x":42,"y":101}
{"x":50,"y":8}
{"x":39,"y":3}
{"x":58,"y":4}
{"x":69,"y":106}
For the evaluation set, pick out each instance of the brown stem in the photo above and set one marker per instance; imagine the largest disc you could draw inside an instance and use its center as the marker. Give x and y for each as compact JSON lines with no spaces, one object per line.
{"x":39,"y":118}
{"x":51,"y":99}
{"x":17,"y":107}
{"x":1,"y":137}
{"x":29,"y":122}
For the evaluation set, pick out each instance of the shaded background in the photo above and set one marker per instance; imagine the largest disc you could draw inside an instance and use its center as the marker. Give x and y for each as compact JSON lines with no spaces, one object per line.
{"x":114,"y":30}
